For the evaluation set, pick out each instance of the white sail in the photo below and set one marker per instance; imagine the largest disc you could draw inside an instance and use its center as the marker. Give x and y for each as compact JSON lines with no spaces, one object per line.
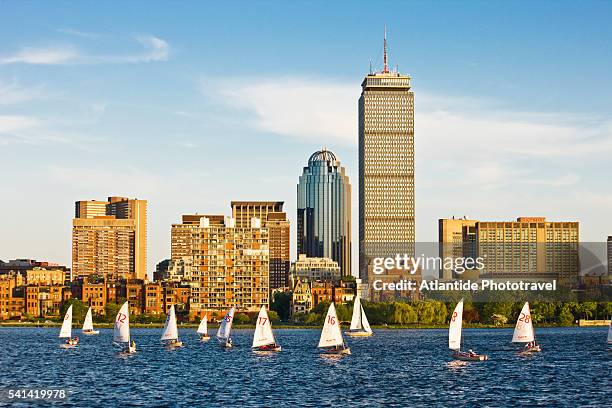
{"x":66,"y":330}
{"x":226,"y":325}
{"x":523,"y":332}
{"x":203,"y":327}
{"x":454,"y":329}
{"x":331,"y":334}
{"x":610,"y":332}
{"x":170,"y":330}
{"x":122,"y":325}
{"x":263,"y":335}
{"x":356,"y":319}
{"x":88,"y":323}
{"x":364,"y":322}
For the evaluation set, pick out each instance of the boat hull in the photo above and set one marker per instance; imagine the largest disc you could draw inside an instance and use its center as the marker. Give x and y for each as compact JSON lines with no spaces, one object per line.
{"x":468,"y":357}
{"x":175,"y":345}
{"x":530,"y":350}
{"x":341,"y":352}
{"x":68,"y":346}
{"x":91,"y":333}
{"x":267,"y":348}
{"x":204,"y":338}
{"x":358,"y":334}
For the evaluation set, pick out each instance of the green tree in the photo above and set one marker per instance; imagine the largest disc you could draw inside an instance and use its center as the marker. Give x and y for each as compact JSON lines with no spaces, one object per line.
{"x":565,"y":316}
{"x":242,"y":318}
{"x":79,"y":309}
{"x":110,"y":311}
{"x":281,"y":304}
{"x":273,"y":316}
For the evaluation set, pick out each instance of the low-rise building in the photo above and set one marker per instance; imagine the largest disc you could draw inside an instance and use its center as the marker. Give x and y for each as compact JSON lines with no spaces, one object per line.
{"x":316,"y":269}
{"x":301,"y":298}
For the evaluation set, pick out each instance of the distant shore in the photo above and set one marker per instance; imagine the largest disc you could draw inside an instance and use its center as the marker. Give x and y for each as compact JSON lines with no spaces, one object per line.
{"x":279,"y":325}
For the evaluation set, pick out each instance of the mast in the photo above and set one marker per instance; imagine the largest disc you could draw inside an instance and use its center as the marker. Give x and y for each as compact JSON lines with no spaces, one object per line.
{"x":385,"y":68}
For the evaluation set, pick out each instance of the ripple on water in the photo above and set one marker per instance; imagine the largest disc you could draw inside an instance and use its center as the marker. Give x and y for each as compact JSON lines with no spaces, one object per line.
{"x":394,"y":368}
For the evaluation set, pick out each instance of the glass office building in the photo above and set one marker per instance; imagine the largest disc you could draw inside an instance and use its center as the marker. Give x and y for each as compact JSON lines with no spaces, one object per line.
{"x":324,"y":210}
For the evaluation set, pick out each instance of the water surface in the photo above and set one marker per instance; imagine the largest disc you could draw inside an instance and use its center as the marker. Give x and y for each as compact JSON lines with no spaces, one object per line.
{"x":394,"y":368}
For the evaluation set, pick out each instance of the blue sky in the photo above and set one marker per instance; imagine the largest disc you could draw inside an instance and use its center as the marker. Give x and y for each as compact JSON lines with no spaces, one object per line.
{"x":191,"y":105}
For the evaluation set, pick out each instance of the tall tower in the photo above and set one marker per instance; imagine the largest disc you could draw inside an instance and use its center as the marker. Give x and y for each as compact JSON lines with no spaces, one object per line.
{"x":324,"y":210}
{"x":386,"y":166}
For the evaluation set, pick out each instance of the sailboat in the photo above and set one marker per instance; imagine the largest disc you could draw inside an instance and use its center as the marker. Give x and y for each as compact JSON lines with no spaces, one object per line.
{"x":66,"y":331}
{"x":223,"y":334}
{"x":169,"y":337}
{"x":610,"y":333}
{"x":524,"y":333}
{"x":263,"y":338}
{"x":454,"y":337}
{"x":360,"y":327}
{"x":203,"y":329}
{"x":331,"y":337}
{"x":88,"y":324}
{"x":121,"y":333}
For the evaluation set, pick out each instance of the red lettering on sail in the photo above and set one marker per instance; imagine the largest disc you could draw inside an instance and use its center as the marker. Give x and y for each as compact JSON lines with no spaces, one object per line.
{"x":525,"y":318}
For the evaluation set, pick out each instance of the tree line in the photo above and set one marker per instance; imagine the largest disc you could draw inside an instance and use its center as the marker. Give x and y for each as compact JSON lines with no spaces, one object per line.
{"x":438,"y":313}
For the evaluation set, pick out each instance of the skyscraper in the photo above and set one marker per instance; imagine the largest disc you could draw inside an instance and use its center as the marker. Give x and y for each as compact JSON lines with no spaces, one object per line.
{"x":275,"y":221}
{"x":324,"y":210}
{"x":109,"y":238}
{"x":386,"y":166}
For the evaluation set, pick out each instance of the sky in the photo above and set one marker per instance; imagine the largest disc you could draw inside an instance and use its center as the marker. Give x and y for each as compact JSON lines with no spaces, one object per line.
{"x":190,"y":105}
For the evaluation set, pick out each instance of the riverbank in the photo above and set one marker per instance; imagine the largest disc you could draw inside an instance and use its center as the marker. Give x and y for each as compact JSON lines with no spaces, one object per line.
{"x":279,"y":325}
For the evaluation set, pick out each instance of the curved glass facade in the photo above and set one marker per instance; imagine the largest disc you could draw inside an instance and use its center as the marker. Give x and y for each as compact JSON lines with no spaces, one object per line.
{"x":324,"y":210}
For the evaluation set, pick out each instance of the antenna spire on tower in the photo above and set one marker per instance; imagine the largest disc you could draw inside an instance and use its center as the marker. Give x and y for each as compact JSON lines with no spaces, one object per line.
{"x":385,"y":69}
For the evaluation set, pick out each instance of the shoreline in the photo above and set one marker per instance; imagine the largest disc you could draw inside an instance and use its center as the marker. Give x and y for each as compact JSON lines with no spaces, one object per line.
{"x":279,"y":326}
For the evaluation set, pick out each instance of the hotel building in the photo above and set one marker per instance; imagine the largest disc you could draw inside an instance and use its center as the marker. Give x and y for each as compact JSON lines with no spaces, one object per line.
{"x":386,"y":167}
{"x":457,"y":239}
{"x":229,"y":265}
{"x":109,"y":238}
{"x":528,"y":248}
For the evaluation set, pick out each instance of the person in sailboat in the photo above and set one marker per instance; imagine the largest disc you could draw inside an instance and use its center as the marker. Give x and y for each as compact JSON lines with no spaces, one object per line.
{"x":72,"y":341}
{"x":230,"y":342}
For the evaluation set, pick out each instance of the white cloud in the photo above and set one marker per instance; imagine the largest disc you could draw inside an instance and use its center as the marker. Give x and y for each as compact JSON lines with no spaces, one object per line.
{"x":155,"y":49}
{"x":15,"y":123}
{"x":78,"y":33}
{"x":42,"y":56}
{"x":326,"y":111}
{"x":296,"y":107}
{"x":12,"y":92}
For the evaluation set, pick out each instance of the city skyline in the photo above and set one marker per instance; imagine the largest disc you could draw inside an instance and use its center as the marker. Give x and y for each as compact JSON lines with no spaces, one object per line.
{"x":123,"y":105}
